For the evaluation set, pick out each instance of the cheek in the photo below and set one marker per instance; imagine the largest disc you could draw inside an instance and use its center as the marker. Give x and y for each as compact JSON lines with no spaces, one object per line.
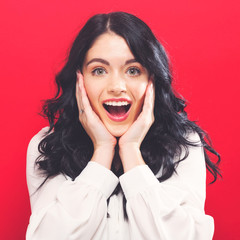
{"x":139,"y":92}
{"x":93,"y":93}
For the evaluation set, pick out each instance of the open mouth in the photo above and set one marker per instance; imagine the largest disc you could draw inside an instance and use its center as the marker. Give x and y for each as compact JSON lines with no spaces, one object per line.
{"x":117,"y":110}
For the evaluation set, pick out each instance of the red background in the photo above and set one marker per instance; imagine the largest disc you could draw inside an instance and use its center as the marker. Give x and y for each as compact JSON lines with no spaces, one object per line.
{"x":203,"y":41}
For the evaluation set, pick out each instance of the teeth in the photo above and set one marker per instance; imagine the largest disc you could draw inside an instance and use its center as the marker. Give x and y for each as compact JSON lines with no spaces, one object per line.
{"x":123,"y":103}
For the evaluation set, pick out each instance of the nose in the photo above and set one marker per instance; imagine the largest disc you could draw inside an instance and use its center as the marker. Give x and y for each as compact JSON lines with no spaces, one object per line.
{"x":117,"y":85}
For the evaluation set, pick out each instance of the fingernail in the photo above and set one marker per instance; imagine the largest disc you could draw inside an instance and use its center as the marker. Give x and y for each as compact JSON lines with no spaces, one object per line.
{"x":151,"y":85}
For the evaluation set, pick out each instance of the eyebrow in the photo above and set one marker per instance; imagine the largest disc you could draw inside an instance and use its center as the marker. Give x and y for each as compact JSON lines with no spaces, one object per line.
{"x":130,"y":61}
{"x":107,"y":63}
{"x":98,"y":60}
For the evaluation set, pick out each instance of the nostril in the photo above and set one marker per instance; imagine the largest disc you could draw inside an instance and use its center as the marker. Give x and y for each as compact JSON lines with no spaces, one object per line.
{"x":117,"y":88}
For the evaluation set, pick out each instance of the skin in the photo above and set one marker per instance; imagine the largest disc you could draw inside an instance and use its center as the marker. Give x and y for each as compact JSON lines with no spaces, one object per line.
{"x":119,"y":75}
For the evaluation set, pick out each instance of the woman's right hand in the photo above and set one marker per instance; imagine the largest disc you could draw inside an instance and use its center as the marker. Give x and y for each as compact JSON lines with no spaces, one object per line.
{"x":104,"y":143}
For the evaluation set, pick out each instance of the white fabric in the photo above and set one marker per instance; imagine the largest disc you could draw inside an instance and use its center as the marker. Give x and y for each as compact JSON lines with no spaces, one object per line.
{"x":70,"y":210}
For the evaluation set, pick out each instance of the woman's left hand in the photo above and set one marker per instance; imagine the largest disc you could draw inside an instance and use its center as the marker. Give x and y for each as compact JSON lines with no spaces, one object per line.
{"x":129,"y":143}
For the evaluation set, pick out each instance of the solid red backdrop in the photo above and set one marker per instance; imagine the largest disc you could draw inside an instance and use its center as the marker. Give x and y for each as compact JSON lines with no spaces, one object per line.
{"x":202,"y":38}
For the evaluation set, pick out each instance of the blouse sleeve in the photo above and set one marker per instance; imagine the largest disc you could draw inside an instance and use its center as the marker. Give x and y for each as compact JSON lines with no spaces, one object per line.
{"x":66,"y":209}
{"x":173,"y":209}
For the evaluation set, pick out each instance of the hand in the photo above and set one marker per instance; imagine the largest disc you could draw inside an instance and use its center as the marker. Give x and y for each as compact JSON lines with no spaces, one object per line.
{"x":136,"y":133}
{"x":129,"y":143}
{"x":104,"y":143}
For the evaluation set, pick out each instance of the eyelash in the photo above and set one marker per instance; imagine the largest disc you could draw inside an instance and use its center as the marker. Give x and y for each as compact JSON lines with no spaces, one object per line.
{"x":96,"y":72}
{"x":136,"y":69}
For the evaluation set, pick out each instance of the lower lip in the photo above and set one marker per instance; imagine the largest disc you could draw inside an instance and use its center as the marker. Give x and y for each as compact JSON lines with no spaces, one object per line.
{"x":118,"y":118}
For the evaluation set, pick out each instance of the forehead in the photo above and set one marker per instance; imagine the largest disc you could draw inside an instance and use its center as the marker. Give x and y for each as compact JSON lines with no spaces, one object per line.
{"x":109,"y":46}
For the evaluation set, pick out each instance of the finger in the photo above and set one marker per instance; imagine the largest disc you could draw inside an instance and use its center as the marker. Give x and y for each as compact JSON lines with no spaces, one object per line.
{"x":149,"y":98}
{"x":78,"y":93}
{"x":84,"y":101}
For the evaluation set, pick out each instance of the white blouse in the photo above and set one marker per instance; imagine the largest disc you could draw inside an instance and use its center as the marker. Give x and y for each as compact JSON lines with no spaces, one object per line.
{"x":63,"y":209}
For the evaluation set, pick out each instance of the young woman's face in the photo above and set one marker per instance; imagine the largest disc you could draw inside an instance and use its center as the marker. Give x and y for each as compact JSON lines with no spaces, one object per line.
{"x":115,"y":82}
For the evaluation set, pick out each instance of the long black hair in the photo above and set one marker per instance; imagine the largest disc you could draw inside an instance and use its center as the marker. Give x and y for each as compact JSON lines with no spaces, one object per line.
{"x":67,"y":148}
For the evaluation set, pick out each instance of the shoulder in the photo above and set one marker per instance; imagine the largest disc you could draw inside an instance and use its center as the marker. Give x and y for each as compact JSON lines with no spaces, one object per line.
{"x":193,"y":137}
{"x":194,"y":157}
{"x":32,"y":155}
{"x":33,"y":144}
{"x":194,"y":147}
{"x":32,"y":150}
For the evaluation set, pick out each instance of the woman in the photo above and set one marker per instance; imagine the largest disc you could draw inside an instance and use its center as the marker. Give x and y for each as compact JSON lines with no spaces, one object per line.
{"x":120,"y":159}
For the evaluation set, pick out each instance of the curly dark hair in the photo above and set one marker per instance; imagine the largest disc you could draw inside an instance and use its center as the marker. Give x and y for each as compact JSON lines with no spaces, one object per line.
{"x":67,"y":148}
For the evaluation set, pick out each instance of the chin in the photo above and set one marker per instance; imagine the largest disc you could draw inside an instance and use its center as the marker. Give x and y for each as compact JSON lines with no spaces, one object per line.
{"x":117,"y":131}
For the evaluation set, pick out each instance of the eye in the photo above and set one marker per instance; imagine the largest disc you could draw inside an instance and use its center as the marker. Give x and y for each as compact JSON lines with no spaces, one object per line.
{"x":98,"y":71}
{"x":134,"y":71}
